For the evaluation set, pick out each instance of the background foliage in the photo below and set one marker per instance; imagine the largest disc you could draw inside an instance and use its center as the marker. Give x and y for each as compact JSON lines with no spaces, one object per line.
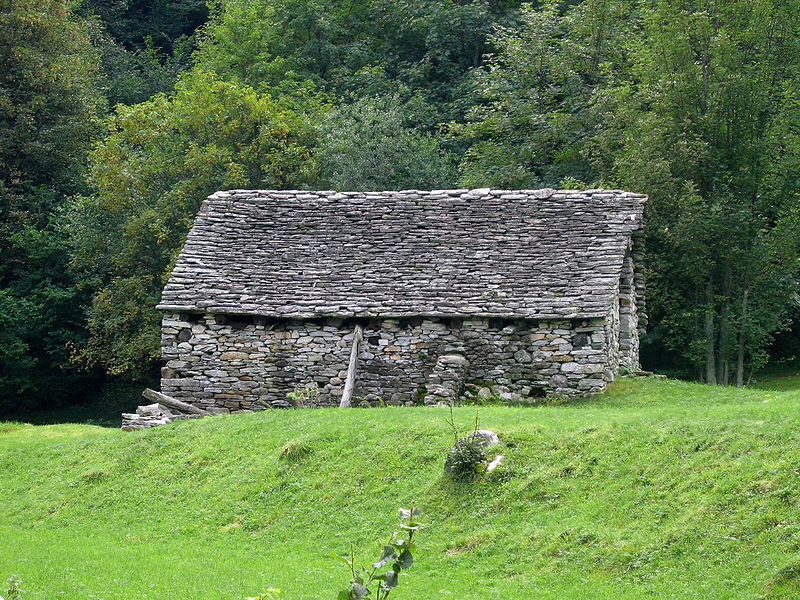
{"x":688,"y":103}
{"x":367,"y":145}
{"x":118,"y":118}
{"x":49,"y":110}
{"x":160,"y":159}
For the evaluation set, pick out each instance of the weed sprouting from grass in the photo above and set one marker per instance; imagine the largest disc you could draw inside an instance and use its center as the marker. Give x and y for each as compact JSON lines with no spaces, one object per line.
{"x":304,"y":395}
{"x":13,"y":589}
{"x":465,"y":458}
{"x":368,"y":583}
{"x":467,"y":455}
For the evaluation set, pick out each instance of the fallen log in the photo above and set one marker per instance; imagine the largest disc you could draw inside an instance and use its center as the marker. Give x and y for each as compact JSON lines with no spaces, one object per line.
{"x":154,"y":396}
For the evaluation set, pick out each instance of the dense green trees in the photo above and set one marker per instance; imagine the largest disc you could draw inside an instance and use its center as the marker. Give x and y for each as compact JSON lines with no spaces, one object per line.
{"x":136,"y":23}
{"x":144,"y":44}
{"x":356,"y":47}
{"x":695,"y":103}
{"x":49,"y":111}
{"x":538,"y":100}
{"x":699,"y":133}
{"x":160,"y":159}
{"x":47,"y":97}
{"x":690,"y":104}
{"x":367,"y":146}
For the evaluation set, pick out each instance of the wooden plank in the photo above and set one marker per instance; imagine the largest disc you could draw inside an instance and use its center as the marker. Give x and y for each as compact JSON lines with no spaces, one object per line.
{"x":351,"y":369}
{"x":154,"y":396}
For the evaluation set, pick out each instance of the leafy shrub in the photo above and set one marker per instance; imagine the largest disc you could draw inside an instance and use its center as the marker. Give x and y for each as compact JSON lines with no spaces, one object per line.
{"x":304,"y":395}
{"x":467,"y":455}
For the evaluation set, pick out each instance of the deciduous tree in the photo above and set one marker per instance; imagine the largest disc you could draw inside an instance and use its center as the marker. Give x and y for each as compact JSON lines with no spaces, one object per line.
{"x":49,"y":111}
{"x":159,"y":161}
{"x":368,"y":145}
{"x":690,"y":103}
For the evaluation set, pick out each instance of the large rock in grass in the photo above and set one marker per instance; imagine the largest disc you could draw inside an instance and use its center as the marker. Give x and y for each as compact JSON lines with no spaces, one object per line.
{"x":484,"y":437}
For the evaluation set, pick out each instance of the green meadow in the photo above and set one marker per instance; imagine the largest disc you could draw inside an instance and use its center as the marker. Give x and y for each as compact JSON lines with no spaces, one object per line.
{"x":655,"y":489}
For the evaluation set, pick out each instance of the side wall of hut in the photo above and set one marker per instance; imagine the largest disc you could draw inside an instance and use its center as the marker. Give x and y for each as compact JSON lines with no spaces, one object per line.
{"x":247,"y":363}
{"x":630,"y":307}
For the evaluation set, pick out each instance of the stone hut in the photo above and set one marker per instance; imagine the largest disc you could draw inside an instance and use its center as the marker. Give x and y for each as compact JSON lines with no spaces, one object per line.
{"x":538,"y":291}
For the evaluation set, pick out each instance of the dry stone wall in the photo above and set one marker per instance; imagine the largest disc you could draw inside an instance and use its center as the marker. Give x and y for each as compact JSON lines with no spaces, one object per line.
{"x":251,"y":363}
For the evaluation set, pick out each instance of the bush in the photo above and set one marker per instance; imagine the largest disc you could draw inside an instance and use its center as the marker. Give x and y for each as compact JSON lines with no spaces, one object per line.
{"x":465,"y":459}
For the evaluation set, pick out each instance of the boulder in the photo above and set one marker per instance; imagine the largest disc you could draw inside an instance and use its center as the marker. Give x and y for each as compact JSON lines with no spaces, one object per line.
{"x":485,"y":437}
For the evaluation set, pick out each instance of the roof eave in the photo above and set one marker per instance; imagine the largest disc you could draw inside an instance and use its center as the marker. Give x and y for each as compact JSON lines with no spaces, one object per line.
{"x":541,"y":316}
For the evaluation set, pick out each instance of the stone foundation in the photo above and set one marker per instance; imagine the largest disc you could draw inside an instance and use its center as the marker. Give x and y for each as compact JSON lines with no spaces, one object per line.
{"x":247,"y":363}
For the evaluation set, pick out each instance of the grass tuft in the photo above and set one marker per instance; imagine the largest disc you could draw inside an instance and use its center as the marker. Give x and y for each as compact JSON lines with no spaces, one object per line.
{"x":469,"y":544}
{"x":295,"y":450}
{"x":785,"y":582}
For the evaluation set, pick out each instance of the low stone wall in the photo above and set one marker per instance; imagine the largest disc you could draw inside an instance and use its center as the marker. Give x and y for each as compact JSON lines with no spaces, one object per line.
{"x":249,"y":363}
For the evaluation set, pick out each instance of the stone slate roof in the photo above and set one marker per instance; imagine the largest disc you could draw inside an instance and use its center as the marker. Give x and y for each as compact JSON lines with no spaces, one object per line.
{"x":525,"y":253}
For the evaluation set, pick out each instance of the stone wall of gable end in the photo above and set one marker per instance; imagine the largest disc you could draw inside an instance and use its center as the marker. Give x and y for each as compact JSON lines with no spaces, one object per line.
{"x":248,"y":363}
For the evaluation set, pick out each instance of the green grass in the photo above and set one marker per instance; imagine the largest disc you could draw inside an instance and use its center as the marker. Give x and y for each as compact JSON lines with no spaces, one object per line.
{"x":784,"y":380}
{"x":657,"y":489}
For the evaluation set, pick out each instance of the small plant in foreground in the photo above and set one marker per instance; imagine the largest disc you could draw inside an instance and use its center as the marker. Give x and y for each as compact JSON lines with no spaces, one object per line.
{"x":13,"y":592}
{"x":369,"y":584}
{"x":465,"y":459}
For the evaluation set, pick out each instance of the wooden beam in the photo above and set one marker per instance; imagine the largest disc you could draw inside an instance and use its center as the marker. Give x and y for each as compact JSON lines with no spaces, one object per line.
{"x":351,"y":369}
{"x":154,"y":396}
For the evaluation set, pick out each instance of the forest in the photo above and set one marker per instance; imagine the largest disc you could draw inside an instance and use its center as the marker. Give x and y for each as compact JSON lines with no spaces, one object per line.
{"x":117,"y":118}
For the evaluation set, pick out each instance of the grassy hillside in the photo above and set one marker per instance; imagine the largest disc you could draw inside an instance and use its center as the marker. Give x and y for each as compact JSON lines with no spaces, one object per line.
{"x":657,"y":489}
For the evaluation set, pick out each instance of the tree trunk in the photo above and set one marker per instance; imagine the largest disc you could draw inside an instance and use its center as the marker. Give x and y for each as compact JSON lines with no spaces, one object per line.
{"x":742,"y":329}
{"x":711,"y":367}
{"x":723,"y":370}
{"x":476,"y":56}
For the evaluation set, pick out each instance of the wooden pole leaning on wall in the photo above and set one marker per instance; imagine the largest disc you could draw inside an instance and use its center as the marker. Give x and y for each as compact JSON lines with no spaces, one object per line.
{"x":351,"y":369}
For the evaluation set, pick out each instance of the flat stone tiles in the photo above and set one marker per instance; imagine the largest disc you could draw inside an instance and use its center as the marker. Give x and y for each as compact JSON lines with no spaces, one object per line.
{"x":542,"y":254}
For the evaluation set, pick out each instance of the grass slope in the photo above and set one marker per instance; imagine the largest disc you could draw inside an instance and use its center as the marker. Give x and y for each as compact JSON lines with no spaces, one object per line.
{"x":656,"y":489}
